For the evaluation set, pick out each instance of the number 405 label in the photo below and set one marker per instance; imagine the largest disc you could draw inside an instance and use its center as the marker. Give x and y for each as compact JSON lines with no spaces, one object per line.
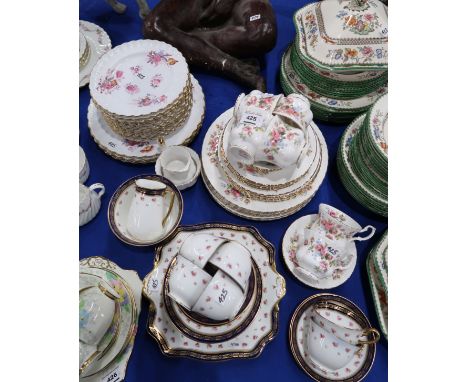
{"x":113,"y":376}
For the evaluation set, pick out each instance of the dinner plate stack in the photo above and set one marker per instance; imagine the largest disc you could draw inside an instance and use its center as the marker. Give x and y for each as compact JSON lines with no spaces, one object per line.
{"x":142,"y":89}
{"x":339,"y":57}
{"x":362,"y":158}
{"x":105,"y":357}
{"x":260,"y":191}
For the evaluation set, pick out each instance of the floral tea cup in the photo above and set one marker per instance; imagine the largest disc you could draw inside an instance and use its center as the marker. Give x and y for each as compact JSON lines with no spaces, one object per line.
{"x":96,"y":311}
{"x":255,"y":103}
{"x":325,"y":350}
{"x":234,"y":259}
{"x":199,"y":247}
{"x":146,"y":217}
{"x":221,"y":299}
{"x":353,"y":336}
{"x":295,"y":108}
{"x":187,"y":282}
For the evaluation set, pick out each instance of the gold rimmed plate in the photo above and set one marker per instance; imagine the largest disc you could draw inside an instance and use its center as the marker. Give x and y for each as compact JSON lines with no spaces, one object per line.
{"x":342,"y":312}
{"x":119,"y":206}
{"x":251,"y":340}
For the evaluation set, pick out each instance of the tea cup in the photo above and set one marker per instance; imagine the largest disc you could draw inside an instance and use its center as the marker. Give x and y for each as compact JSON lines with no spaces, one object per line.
{"x":90,"y":201}
{"x":221,"y":299}
{"x":255,"y":103}
{"x":147,"y":216}
{"x":338,"y":226}
{"x":176,"y":163}
{"x":234,"y":259}
{"x":353,"y":336}
{"x":187,"y":282}
{"x":84,"y":166}
{"x":97,"y":308}
{"x":326,"y":351}
{"x":199,"y":247}
{"x":296,"y":109}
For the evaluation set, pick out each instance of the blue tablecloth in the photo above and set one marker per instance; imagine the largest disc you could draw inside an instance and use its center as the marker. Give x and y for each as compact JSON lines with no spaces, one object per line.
{"x":275,"y":363}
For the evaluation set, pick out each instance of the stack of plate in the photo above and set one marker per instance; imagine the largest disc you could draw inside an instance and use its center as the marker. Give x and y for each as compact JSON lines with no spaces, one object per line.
{"x":180,"y":331}
{"x":109,"y":357}
{"x":142,"y":96}
{"x":363,"y":159}
{"x":339,"y":57}
{"x":377,"y":269}
{"x":259,"y":191}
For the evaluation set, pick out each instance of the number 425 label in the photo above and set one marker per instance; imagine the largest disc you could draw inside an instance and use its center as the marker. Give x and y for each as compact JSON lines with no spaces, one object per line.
{"x":252,"y":119}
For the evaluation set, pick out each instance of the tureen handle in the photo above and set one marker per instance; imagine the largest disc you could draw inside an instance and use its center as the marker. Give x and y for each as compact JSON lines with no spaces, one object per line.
{"x":358,"y":238}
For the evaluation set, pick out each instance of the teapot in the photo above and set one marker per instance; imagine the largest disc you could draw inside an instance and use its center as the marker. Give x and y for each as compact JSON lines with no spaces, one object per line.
{"x":146,"y":217}
{"x":269,"y":128}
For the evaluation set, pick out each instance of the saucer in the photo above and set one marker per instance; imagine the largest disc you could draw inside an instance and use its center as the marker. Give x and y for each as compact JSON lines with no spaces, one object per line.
{"x":128,"y":285}
{"x":120,"y":204}
{"x":250,"y":341}
{"x":193,"y":175}
{"x":289,"y":247}
{"x":342,"y":312}
{"x":146,"y":152}
{"x":98,"y":42}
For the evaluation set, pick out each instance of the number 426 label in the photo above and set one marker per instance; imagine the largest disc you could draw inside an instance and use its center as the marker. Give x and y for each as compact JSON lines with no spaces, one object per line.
{"x":113,"y":376}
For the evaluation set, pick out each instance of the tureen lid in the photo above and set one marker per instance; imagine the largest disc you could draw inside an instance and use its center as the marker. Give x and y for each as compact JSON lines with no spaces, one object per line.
{"x":342,"y":35}
{"x":138,"y":77}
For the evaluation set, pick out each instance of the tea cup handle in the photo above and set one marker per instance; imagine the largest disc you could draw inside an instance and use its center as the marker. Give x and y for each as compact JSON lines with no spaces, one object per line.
{"x":307,"y":274}
{"x":358,"y":238}
{"x":171,"y":204}
{"x":96,"y":186}
{"x":366,"y":332}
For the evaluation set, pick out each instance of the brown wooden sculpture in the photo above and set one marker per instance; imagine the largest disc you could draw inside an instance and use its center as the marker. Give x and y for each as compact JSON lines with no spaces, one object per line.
{"x":217,"y":35}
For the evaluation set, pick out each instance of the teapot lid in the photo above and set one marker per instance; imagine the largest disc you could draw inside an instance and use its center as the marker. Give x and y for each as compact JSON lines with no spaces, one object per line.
{"x":343,"y":35}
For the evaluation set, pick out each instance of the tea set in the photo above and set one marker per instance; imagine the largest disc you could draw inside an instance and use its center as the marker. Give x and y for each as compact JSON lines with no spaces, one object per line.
{"x":145,"y":210}
{"x":319,"y":250}
{"x":214,"y":291}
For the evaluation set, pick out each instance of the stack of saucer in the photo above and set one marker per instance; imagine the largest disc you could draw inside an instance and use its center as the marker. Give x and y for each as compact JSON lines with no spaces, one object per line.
{"x":142,"y":92}
{"x":377,"y":269}
{"x":262,"y":190}
{"x":109,"y":307}
{"x":214,"y":293}
{"x":339,"y":57}
{"x":363,"y":159}
{"x":94,"y":42}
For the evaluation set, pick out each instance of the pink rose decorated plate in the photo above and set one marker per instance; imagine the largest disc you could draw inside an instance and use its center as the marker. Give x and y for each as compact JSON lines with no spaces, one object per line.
{"x":138,"y":78}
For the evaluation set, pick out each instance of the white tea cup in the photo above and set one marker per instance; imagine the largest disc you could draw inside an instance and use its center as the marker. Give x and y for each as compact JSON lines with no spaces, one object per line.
{"x":199,"y":247}
{"x":176,"y":163}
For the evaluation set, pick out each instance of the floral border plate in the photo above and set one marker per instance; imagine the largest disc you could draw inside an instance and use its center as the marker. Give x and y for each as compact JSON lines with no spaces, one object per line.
{"x":379,"y":297}
{"x":229,"y":197}
{"x":148,"y":151}
{"x":251,"y":341}
{"x":126,"y":283}
{"x":99,"y":43}
{"x":289,"y":248}
{"x":339,"y":309}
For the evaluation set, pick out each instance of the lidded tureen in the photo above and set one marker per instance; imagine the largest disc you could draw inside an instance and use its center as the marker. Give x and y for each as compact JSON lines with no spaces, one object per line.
{"x":339,"y":35}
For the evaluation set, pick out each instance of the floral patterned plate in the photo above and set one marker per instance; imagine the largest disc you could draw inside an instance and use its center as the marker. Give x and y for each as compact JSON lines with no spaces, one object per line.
{"x":378,"y":295}
{"x":139,"y":78}
{"x":378,"y":124}
{"x":128,"y":285}
{"x":344,"y":35}
{"x":249,"y":342}
{"x":229,"y":195}
{"x":380,"y":258}
{"x":98,"y":43}
{"x":145,"y":152}
{"x":289,"y":248}
{"x":341,"y":312}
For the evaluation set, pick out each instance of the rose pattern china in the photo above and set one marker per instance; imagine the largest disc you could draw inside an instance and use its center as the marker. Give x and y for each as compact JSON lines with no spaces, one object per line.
{"x":311,"y":353}
{"x":297,"y":238}
{"x":244,"y":344}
